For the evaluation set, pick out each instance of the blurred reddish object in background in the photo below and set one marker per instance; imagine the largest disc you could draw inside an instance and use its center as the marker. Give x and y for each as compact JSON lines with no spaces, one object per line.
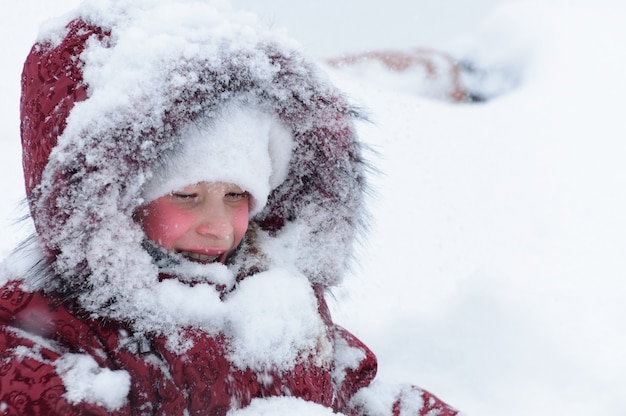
{"x":438,"y":68}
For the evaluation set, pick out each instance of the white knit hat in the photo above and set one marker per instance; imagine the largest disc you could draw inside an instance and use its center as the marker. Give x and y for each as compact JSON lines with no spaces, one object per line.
{"x":242,"y":145}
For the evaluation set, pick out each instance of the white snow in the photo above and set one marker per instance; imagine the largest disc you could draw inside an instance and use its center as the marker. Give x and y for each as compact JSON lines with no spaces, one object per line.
{"x":494,"y":275}
{"x":84,"y":380}
{"x":274,"y":321}
{"x":378,"y":397}
{"x":283,"y":406}
{"x":346,"y":358}
{"x":271,"y":319}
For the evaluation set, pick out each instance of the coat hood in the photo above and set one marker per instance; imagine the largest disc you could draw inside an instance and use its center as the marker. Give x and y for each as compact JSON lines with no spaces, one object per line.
{"x":106,"y":101}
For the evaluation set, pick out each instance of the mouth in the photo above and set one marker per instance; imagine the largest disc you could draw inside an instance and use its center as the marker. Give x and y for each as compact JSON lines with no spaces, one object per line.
{"x":200,"y":258}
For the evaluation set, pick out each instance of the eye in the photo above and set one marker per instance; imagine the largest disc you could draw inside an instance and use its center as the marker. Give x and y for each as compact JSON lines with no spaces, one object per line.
{"x":184,"y":196}
{"x":236,"y":196}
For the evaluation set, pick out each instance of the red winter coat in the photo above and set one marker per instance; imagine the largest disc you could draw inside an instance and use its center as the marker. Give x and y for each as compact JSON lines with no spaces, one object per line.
{"x":81,"y":325}
{"x":37,"y":330}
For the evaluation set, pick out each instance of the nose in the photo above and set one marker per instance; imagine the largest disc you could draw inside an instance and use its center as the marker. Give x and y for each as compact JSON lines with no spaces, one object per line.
{"x":214,"y":222}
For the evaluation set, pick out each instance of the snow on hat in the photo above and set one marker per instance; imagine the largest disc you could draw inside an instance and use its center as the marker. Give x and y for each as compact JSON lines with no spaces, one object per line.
{"x":242,"y":145}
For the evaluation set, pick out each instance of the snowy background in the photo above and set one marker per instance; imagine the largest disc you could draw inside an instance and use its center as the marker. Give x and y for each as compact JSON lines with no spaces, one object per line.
{"x":495,"y":271}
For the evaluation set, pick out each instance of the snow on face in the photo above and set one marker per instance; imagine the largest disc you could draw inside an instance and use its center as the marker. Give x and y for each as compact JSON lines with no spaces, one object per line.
{"x":204,"y":222}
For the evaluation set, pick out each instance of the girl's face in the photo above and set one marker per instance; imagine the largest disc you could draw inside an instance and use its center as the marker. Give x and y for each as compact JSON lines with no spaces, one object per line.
{"x":204,"y":222}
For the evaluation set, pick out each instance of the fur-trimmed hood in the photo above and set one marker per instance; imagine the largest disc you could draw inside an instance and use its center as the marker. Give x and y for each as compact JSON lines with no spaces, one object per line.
{"x":104,"y":101}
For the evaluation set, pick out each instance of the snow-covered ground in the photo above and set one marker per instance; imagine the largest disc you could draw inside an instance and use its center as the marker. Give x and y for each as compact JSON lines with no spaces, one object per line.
{"x":495,"y":271}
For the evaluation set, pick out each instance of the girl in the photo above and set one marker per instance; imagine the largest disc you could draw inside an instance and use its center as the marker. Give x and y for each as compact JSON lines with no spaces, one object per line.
{"x":196,"y":187}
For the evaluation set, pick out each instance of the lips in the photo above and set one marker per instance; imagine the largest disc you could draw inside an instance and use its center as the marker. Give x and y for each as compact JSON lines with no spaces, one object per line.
{"x":199,"y":257}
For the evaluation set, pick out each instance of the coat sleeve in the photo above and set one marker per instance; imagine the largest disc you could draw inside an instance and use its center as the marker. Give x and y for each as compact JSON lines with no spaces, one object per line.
{"x":30,"y":383}
{"x":380,"y":399}
{"x":31,"y":363}
{"x":359,"y":394}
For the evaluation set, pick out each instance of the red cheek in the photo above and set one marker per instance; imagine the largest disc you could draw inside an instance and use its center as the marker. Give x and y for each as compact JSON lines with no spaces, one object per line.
{"x":240,"y":220}
{"x":163,"y":223}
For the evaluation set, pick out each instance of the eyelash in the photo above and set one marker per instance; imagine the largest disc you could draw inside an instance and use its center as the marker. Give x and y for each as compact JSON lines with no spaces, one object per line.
{"x":186,"y":197}
{"x":237,"y":195}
